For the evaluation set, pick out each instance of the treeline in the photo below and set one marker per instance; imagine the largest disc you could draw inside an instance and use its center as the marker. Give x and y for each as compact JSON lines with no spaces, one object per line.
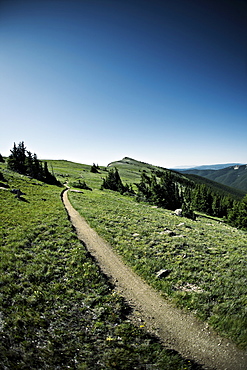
{"x":170,"y":191}
{"x":26,"y":163}
{"x":238,"y":215}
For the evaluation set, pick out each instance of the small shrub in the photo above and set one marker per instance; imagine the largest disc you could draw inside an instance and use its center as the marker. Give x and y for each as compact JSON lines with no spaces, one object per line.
{"x":80,"y":185}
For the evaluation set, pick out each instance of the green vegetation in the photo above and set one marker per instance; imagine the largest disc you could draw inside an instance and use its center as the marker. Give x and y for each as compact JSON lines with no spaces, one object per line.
{"x":170,"y":190}
{"x":57,"y":310}
{"x":80,"y":185}
{"x":238,"y":215}
{"x":95,"y":168}
{"x":26,"y":163}
{"x":206,"y":257}
{"x":114,"y":182}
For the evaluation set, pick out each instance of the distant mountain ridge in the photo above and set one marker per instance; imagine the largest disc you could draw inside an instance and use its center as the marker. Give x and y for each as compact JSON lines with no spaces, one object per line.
{"x":207,"y":167}
{"x":133,"y":168}
{"x":234,"y":176}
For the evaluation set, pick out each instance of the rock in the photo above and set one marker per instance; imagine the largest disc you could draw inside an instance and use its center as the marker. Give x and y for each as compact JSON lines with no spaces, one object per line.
{"x":163,"y":273}
{"x":170,"y":232}
{"x":178,"y":212}
{"x":17,"y":192}
{"x":4,"y":186}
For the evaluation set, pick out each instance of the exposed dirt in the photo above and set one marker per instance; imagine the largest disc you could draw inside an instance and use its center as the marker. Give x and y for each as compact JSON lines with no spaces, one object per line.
{"x":176,"y":329}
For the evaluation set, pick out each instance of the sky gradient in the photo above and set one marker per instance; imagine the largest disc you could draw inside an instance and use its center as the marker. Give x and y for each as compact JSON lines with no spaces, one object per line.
{"x":91,"y":81}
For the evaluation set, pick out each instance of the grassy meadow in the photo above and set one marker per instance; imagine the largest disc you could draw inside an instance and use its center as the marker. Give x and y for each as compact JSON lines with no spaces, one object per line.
{"x":57,"y":309}
{"x":206,"y":258}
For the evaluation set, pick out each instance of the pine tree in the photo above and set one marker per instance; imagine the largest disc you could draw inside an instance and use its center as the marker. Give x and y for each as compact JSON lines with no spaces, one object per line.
{"x":237,"y":216}
{"x":17,"y":158}
{"x":113,"y":181}
{"x":94,"y":168}
{"x":29,"y":165}
{"x":243,"y":213}
{"x":163,"y":193}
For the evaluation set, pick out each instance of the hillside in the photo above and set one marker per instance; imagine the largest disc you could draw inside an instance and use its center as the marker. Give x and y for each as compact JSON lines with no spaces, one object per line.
{"x":205,"y":258}
{"x":196,"y":254}
{"x":233,"y":176}
{"x":57,"y":309}
{"x":130,"y":170}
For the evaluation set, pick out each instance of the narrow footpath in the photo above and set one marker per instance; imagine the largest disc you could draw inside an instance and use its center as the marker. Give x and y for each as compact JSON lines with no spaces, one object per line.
{"x":176,"y":329}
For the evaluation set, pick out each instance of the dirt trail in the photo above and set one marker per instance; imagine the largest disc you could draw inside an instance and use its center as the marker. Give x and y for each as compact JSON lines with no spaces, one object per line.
{"x":176,"y":329}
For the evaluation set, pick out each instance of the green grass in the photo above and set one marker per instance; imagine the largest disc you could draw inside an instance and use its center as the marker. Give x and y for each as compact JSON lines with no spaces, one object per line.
{"x":70,"y":171}
{"x":207,"y":258}
{"x":57,"y":310}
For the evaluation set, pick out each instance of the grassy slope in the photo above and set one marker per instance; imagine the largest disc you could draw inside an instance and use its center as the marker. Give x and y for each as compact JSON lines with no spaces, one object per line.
{"x":57,"y":310}
{"x":130,"y":170}
{"x":206,"y":257}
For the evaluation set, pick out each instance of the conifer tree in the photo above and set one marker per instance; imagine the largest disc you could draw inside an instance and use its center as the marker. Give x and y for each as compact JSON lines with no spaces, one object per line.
{"x":94,"y":168}
{"x":113,"y":181}
{"x":17,"y":159}
{"x":237,"y":216}
{"x":163,"y":193}
{"x":29,"y":164}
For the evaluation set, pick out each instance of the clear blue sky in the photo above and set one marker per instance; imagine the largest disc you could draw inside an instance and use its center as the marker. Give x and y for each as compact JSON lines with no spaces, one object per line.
{"x":164,"y":82}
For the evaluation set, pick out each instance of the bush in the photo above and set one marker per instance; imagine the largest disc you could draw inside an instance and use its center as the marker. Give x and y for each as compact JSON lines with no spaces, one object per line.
{"x":188,"y":212}
{"x":80,"y":185}
{"x":94,"y":168}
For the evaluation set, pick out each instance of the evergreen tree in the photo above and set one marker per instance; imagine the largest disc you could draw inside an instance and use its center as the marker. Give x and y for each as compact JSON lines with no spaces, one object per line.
{"x":94,"y":168}
{"x":113,"y":181}
{"x":48,"y":177}
{"x":243,"y":214}
{"x":188,"y":212}
{"x":1,"y":158}
{"x":37,"y":168}
{"x":17,"y":159}
{"x":202,"y":199}
{"x":217,"y":209}
{"x":164,"y":193}
{"x":144,"y":192}
{"x":237,"y":216}
{"x":29,"y":164}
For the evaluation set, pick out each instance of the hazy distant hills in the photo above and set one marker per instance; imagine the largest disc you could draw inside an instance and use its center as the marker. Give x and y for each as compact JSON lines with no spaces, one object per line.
{"x":207,"y":167}
{"x":234,"y":176}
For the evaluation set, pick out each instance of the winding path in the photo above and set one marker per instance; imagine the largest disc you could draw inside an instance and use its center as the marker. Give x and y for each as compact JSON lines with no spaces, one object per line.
{"x":177,"y":330}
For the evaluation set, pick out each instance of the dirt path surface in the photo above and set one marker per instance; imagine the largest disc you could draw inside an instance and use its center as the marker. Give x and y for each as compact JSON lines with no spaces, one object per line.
{"x":176,"y":329}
